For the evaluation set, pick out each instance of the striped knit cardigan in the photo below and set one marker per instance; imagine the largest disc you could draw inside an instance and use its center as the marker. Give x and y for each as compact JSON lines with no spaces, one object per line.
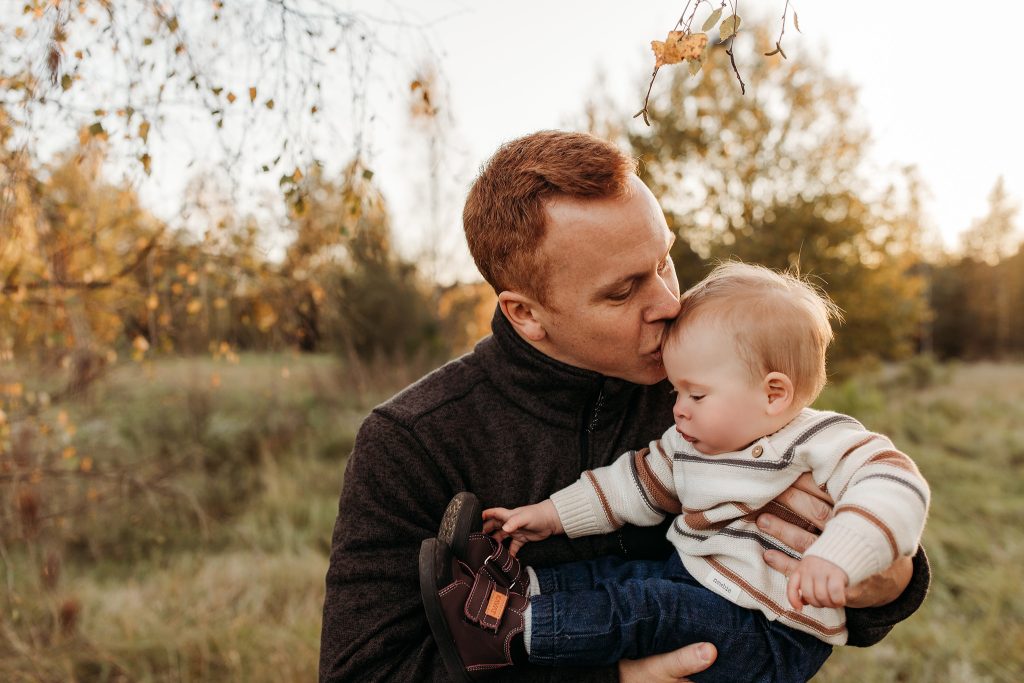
{"x":881,"y":505}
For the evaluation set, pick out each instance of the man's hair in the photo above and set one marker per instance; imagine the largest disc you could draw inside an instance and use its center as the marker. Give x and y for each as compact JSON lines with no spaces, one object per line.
{"x":780,"y":322}
{"x":505,"y":216}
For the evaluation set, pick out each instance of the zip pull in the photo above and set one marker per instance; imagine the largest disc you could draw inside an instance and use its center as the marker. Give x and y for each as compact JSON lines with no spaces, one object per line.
{"x":598,"y":404}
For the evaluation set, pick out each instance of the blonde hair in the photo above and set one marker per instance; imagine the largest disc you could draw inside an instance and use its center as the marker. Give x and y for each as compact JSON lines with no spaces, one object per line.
{"x":780,"y":321}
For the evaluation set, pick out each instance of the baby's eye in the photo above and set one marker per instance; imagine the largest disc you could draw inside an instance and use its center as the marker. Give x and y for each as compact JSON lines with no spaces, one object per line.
{"x":696,"y":397}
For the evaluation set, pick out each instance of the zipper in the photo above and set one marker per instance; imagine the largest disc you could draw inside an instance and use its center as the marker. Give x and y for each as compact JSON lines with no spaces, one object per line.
{"x":589,"y":425}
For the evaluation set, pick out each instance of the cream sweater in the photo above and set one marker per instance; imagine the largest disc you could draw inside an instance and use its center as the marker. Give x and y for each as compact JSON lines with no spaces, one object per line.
{"x":881,"y":505}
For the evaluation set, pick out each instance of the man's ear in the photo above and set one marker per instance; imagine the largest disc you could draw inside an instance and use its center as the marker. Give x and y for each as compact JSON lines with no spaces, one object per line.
{"x":778,"y":389}
{"x":521,"y":311}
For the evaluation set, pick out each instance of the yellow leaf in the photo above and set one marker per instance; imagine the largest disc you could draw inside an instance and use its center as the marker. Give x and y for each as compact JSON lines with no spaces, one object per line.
{"x":152,"y":302}
{"x":220,"y":302}
{"x":231,"y":98}
{"x":68,"y":453}
{"x":144,"y":131}
{"x":710,"y":22}
{"x":730,"y":27}
{"x":194,"y":306}
{"x":269,"y":104}
{"x":140,"y":344}
{"x":266,"y":316}
{"x":193,"y":278}
{"x":252,"y":94}
{"x":147,"y":163}
{"x":678,"y":47}
{"x":86,"y":464}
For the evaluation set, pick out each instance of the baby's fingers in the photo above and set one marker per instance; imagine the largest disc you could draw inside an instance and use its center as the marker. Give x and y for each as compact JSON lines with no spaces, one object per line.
{"x":793,"y":591}
{"x":837,"y":590}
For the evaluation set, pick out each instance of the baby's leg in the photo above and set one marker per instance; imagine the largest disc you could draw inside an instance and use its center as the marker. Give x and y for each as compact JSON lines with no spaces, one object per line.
{"x":635,"y":611}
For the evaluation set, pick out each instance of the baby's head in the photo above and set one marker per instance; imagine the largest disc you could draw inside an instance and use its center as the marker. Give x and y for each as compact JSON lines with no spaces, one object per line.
{"x":754,"y":338}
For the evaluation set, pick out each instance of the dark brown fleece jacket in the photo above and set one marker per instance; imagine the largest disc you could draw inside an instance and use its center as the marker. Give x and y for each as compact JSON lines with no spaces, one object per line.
{"x":511,"y":425}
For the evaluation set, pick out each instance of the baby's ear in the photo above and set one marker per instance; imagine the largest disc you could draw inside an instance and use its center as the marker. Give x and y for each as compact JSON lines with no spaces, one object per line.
{"x":778,"y":389}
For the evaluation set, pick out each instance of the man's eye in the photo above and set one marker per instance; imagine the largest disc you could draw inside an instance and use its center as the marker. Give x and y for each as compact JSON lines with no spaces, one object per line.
{"x":620,"y":296}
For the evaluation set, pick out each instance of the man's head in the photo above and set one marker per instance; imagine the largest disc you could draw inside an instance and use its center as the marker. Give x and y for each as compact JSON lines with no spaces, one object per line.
{"x":577,"y":248}
{"x":746,"y":353}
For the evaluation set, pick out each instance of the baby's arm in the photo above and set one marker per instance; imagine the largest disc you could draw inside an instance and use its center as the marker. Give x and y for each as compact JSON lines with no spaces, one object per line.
{"x":527,"y":523}
{"x":881,"y":505}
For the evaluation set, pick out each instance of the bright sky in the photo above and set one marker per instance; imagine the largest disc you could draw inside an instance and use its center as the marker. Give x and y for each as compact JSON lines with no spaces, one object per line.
{"x":938,"y":87}
{"x":938,"y":84}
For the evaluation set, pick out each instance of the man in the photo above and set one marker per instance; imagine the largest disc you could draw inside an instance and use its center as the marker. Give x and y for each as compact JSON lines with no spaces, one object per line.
{"x":578,"y":251}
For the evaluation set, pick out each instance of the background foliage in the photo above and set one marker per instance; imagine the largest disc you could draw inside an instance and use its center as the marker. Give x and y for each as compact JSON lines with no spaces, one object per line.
{"x":177,"y":400}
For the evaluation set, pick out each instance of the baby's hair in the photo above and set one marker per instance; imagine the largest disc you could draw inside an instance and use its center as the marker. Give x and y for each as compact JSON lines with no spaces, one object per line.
{"x":780,"y":321}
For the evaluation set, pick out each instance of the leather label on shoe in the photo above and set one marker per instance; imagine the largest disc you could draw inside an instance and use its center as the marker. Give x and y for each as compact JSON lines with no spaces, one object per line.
{"x":496,"y":605}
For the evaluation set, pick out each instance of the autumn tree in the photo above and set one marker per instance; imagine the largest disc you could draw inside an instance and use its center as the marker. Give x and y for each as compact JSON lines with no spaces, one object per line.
{"x":984,"y":290}
{"x":776,"y":177}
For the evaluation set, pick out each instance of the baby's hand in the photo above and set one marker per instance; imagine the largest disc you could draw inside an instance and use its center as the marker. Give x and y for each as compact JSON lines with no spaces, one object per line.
{"x":818,"y":583}
{"x":528,"y":523}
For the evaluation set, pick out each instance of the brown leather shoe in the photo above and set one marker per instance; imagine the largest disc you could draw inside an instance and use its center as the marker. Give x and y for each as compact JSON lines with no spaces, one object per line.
{"x":476,"y":622}
{"x":459,"y":531}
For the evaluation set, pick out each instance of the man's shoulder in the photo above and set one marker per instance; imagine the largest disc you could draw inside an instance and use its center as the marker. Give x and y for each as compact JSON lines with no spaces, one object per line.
{"x":450,"y":383}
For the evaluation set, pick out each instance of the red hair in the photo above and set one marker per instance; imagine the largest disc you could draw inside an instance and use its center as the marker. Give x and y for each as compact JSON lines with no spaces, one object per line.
{"x":505,"y":218}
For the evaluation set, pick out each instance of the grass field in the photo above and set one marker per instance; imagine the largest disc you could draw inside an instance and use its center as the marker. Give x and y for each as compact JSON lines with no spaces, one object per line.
{"x":193,"y":546}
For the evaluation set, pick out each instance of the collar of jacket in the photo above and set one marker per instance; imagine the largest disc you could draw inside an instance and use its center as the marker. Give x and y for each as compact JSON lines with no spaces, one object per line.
{"x":557,"y":393}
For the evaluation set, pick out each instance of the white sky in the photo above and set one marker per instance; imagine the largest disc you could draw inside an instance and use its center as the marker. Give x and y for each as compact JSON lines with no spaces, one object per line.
{"x":939,"y":86}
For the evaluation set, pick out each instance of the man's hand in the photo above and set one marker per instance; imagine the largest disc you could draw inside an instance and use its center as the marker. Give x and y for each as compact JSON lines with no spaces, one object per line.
{"x":670,"y":667}
{"x":813,"y":505}
{"x":528,"y":523}
{"x":817,"y":582}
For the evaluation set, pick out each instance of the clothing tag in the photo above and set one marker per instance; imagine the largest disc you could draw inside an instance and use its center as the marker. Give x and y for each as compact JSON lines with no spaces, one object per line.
{"x":723,"y":586}
{"x":496,"y":605}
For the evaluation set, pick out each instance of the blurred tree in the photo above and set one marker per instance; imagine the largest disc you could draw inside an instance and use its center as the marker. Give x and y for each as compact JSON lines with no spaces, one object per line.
{"x":990,"y":292}
{"x":994,"y":237}
{"x":128,"y":69}
{"x":775,"y":177}
{"x":350,"y":290}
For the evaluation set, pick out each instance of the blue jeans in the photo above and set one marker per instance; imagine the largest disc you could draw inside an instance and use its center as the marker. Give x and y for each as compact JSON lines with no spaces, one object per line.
{"x":600,"y":611}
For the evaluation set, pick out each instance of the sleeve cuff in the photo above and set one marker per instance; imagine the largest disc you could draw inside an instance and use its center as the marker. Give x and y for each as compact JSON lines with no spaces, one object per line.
{"x":855,"y":553}
{"x":576,"y":511}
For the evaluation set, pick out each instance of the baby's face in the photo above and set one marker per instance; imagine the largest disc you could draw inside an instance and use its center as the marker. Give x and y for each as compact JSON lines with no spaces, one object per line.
{"x":719,"y":406}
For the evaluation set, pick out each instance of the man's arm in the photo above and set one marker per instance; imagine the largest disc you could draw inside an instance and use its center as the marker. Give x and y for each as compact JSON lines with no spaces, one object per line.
{"x":374,"y":624}
{"x":374,"y":627}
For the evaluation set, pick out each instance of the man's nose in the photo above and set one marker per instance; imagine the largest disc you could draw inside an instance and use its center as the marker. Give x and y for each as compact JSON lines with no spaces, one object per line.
{"x":664,"y":303}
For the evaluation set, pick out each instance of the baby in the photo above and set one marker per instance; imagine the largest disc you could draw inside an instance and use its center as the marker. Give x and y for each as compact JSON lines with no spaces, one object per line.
{"x":746,"y":357}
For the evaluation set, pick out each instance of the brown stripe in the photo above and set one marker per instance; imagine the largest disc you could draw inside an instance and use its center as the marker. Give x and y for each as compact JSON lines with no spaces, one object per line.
{"x":698,"y":521}
{"x":896,"y":459}
{"x":668,"y":460}
{"x":743,"y":508}
{"x":857,"y":445}
{"x":870,"y":516}
{"x":784,"y":513}
{"x":604,"y":501}
{"x":663,"y":497}
{"x":799,"y":617}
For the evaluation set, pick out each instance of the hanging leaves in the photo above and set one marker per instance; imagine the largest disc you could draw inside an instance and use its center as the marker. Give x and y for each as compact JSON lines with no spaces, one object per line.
{"x":730,"y":27}
{"x":712,"y":19}
{"x":678,"y":47}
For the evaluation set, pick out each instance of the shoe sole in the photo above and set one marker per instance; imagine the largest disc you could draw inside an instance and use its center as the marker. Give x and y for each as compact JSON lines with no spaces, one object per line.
{"x":430,"y":578}
{"x":461,"y":517}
